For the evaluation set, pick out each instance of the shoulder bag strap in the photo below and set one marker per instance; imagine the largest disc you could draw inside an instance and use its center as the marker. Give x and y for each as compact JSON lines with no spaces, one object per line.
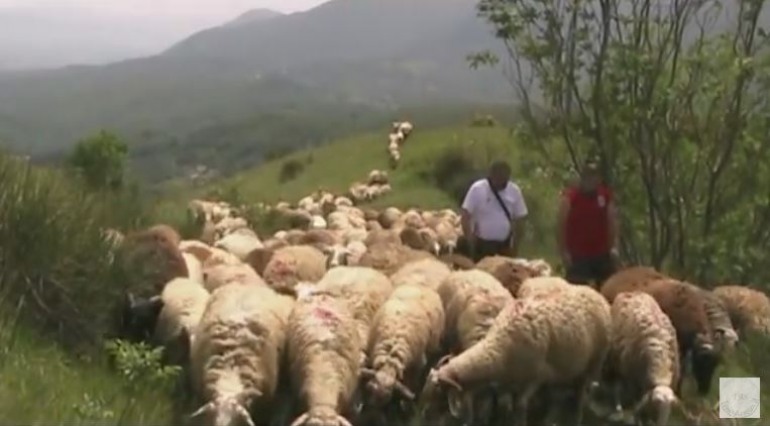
{"x":500,"y":201}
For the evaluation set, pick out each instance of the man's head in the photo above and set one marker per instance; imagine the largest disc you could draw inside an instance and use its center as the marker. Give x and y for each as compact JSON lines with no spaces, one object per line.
{"x":499,"y":175}
{"x":590,"y":176}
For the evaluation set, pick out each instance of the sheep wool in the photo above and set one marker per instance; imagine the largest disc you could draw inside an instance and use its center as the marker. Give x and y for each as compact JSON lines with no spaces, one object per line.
{"x":222,"y":275}
{"x":389,"y":257}
{"x":200,"y":250}
{"x":643,"y":361}
{"x":183,"y":303}
{"x":363,"y":289}
{"x":324,"y":350}
{"x":151,"y":258}
{"x":292,"y":264}
{"x":425,"y":272}
{"x":510,"y":273}
{"x":194,"y":268}
{"x":406,"y":333}
{"x":239,"y":244}
{"x":749,"y":309}
{"x":538,"y":341}
{"x":542,"y":287}
{"x":236,"y":355}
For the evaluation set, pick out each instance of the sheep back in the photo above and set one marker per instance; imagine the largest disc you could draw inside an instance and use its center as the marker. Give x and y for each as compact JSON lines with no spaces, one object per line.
{"x":290,"y":265}
{"x":428,"y":272}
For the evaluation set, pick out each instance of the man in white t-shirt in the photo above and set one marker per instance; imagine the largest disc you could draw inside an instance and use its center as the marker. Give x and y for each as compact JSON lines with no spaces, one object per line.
{"x":493,"y":213}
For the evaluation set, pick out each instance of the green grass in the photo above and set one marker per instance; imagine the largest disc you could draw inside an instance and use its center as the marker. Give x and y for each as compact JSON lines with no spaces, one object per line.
{"x":40,"y":384}
{"x":415,"y":182}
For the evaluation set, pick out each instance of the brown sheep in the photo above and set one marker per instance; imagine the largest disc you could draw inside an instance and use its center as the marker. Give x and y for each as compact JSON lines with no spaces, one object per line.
{"x":510,"y":274}
{"x":151,"y":258}
{"x":388,"y":257}
{"x":458,"y":262}
{"x":749,"y":309}
{"x":684,"y":306}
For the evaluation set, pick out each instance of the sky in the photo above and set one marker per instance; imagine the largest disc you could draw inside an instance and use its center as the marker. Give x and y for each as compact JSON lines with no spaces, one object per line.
{"x":52,"y":33}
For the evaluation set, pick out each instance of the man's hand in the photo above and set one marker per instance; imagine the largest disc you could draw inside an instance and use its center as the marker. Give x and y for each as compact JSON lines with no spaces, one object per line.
{"x":615,"y":256}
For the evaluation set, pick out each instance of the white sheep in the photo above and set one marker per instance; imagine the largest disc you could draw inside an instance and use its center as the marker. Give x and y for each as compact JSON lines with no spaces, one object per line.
{"x":324,"y":350}
{"x":239,"y":244}
{"x":221,"y":275}
{"x":194,"y":268}
{"x":428,"y":272}
{"x":406,"y":333}
{"x":235,"y":357}
{"x":184,"y":301}
{"x":643,"y":362}
{"x":559,"y":339}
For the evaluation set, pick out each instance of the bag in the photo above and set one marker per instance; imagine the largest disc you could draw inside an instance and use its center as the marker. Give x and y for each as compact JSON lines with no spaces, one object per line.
{"x":500,"y":201}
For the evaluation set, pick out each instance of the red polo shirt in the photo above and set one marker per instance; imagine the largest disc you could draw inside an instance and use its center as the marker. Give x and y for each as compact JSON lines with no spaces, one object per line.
{"x":588,"y":226}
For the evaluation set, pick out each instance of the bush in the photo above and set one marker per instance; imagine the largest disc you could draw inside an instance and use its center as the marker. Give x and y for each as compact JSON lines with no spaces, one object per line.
{"x":453,"y":172}
{"x":290,"y":169}
{"x":54,"y":262}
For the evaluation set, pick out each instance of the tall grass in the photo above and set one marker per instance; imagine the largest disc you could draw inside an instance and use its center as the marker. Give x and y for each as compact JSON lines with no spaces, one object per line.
{"x":57,"y":291}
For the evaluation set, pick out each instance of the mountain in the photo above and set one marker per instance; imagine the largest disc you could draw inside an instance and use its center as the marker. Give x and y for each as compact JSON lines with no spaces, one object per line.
{"x":360,"y":55}
{"x":253,"y":16}
{"x":33,"y":37}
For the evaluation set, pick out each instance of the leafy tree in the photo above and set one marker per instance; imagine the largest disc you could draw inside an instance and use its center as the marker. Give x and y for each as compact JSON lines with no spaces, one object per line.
{"x":671,"y":97}
{"x":101,"y":160}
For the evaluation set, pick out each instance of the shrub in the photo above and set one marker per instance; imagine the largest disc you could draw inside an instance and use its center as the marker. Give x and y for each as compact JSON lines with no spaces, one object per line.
{"x":453,"y":172}
{"x":290,"y":169}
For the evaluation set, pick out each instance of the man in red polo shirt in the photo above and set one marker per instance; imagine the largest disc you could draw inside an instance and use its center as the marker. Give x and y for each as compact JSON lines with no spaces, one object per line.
{"x":587,"y":231}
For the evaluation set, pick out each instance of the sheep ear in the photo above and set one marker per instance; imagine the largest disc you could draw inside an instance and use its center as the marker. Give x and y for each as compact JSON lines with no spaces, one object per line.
{"x":455,"y":401}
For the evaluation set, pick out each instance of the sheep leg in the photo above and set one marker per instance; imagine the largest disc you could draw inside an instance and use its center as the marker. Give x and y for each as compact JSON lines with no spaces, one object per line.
{"x":523,"y":403}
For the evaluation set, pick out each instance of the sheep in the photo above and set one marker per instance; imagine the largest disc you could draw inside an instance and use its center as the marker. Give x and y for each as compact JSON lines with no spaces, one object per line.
{"x":406,"y":333}
{"x":388,"y":257}
{"x":220,"y":257}
{"x":349,"y":255}
{"x":457,"y":262}
{"x":229,"y":225}
{"x":151,"y":258}
{"x":382,"y":236}
{"x":643,"y":362}
{"x":447,"y":236}
{"x":418,"y":240}
{"x":749,"y":309}
{"x":684,"y":306}
{"x":534,"y":342}
{"x":542,"y":286}
{"x":378,"y":177}
{"x":289,"y":265}
{"x":324,"y":350}
{"x":239,"y":244}
{"x":389,"y":217}
{"x":236,"y":354}
{"x":320,"y":238}
{"x":318,"y":222}
{"x":221,"y":275}
{"x":363,"y":289}
{"x":200,"y":250}
{"x":194,"y":268}
{"x":184,"y":301}
{"x":405,"y":128}
{"x":510,"y":273}
{"x":425,"y":272}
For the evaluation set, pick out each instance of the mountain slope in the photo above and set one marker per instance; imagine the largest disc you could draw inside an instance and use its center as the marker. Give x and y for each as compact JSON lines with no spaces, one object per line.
{"x":364,"y":53}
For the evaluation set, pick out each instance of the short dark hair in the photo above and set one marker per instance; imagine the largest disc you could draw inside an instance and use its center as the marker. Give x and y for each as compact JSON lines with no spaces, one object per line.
{"x":500,"y":166}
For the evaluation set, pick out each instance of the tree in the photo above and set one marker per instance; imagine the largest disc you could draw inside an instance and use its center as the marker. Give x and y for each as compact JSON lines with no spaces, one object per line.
{"x":101,"y":160}
{"x":671,"y":97}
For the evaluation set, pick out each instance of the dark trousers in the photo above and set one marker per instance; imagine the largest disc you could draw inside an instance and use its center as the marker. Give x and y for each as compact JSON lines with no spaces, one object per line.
{"x":592,"y":270}
{"x":484,"y":248}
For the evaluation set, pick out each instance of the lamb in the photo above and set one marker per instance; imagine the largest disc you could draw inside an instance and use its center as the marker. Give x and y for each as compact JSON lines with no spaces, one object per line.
{"x":388,"y":257}
{"x":236,"y":354}
{"x":428,"y":273}
{"x":324,"y":350}
{"x":749,"y":309}
{"x":406,"y":333}
{"x":239,"y":244}
{"x":363,"y":289}
{"x":534,"y":342}
{"x":643,"y":362}
{"x":288,"y":266}
{"x":183,"y":303}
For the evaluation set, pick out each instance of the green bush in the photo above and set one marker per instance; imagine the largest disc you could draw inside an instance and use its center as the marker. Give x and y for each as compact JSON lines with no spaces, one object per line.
{"x":290,"y":169}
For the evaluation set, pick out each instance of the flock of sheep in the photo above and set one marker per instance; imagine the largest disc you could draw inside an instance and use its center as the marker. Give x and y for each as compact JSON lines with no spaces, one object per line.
{"x":362,"y":317}
{"x":398,"y":135}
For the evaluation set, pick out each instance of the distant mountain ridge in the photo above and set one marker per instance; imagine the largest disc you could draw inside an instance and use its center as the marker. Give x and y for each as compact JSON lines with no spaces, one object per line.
{"x":367,"y":54}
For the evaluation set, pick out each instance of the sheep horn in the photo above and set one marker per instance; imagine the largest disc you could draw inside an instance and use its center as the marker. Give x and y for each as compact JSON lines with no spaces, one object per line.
{"x":300,"y":420}
{"x":408,"y":394}
{"x":245,"y":414}
{"x":451,"y":382}
{"x":343,"y":421}
{"x":206,"y":407}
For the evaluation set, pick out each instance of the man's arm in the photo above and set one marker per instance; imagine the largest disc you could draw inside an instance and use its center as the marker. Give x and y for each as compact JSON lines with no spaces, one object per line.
{"x":518,"y":222}
{"x":466,"y":213}
{"x":561,"y":230}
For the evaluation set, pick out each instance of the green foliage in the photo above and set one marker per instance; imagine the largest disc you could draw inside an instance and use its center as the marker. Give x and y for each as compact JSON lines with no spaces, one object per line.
{"x":101,"y":161}
{"x":290,"y":169}
{"x":140,"y":366}
{"x":675,"y":114}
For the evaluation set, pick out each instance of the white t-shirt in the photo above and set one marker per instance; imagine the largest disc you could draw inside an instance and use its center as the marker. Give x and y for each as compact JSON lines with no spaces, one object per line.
{"x":489,"y":219}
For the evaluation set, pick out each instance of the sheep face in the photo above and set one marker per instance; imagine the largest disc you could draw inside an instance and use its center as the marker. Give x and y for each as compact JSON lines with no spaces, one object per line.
{"x":663,"y":399}
{"x":321,"y":416}
{"x":225,"y":411}
{"x":138,"y":317}
{"x":704,"y":364}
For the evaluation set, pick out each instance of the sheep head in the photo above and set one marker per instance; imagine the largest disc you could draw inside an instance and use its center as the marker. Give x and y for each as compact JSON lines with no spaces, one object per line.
{"x":440,"y":381}
{"x":321,"y":416}
{"x":138,"y":317}
{"x":381,"y":384}
{"x":226,"y":411}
